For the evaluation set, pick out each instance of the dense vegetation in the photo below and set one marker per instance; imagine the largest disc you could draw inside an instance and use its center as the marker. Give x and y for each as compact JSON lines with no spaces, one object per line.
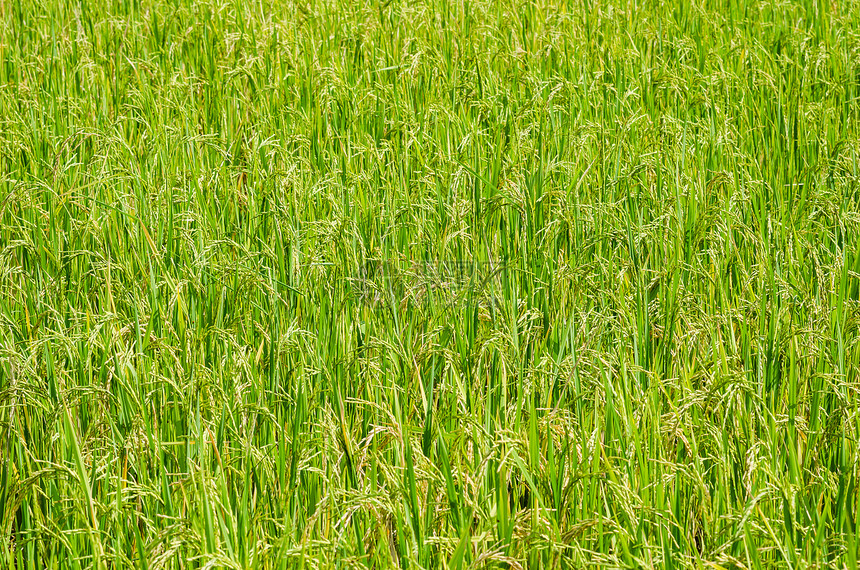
{"x":429,"y":284}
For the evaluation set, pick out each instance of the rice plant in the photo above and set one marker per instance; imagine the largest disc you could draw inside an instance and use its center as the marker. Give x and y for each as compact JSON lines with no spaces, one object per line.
{"x":429,"y":284}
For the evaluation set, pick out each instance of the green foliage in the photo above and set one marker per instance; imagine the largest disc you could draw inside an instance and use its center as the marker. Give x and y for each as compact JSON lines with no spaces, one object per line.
{"x":425,"y":284}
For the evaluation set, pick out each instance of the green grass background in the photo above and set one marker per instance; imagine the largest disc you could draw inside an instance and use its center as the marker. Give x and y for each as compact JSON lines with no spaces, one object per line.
{"x":230,"y":335}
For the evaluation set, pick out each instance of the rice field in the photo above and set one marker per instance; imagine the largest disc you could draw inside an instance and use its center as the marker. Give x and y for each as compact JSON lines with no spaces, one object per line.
{"x":429,"y":284}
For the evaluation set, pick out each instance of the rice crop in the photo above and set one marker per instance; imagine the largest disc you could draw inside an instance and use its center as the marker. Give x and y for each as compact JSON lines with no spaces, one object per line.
{"x":429,"y":284}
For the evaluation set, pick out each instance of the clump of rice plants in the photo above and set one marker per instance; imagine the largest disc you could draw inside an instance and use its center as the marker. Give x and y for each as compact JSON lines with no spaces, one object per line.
{"x":425,"y":284}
